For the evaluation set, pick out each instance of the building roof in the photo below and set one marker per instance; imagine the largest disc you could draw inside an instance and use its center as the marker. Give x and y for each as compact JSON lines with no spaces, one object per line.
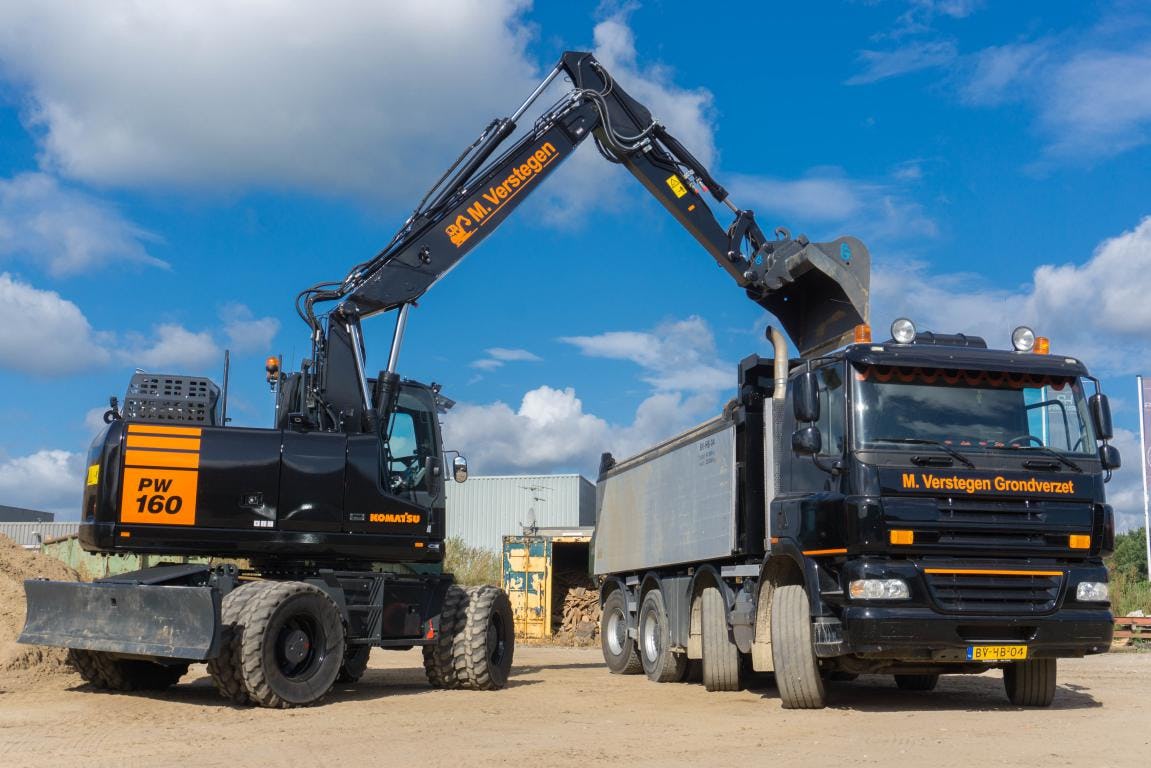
{"x":20,"y":515}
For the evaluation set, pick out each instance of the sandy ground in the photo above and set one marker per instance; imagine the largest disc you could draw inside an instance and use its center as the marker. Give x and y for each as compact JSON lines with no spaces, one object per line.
{"x":563,"y":708}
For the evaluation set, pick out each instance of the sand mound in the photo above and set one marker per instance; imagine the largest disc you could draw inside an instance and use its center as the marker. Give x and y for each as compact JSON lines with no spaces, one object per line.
{"x":16,"y":565}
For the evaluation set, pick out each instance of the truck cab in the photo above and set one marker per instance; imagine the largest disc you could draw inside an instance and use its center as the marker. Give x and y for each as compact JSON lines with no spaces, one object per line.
{"x":946,"y":503}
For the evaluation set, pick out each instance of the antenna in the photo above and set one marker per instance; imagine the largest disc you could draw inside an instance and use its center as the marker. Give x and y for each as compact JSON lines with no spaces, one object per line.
{"x":532,"y":525}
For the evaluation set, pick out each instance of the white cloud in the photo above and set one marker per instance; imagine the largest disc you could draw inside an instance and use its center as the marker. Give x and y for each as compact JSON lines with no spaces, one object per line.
{"x":1096,"y":310}
{"x":44,"y":334}
{"x":874,"y":210}
{"x":913,"y":57}
{"x":678,"y":356}
{"x":498,"y":356}
{"x":1125,"y":491}
{"x":64,"y":230}
{"x":172,"y":348}
{"x":49,"y":480}
{"x":550,"y":431}
{"x":1003,"y":73}
{"x":361,"y":98}
{"x":245,"y":332}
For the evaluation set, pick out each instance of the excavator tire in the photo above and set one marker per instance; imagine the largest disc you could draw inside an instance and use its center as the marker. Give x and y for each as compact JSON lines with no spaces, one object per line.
{"x":355,"y":664}
{"x":482,"y":652}
{"x":438,"y":665}
{"x":225,"y":668}
{"x":106,"y":672}
{"x":291,"y":645}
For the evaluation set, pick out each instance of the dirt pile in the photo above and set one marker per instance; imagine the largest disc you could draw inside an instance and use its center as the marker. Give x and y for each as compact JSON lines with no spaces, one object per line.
{"x":16,"y":565}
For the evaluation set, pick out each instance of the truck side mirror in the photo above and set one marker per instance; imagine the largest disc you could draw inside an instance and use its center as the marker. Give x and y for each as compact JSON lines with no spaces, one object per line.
{"x":460,"y":469}
{"x":807,"y":441}
{"x":805,"y":397}
{"x":1101,"y":415}
{"x":1109,"y":457}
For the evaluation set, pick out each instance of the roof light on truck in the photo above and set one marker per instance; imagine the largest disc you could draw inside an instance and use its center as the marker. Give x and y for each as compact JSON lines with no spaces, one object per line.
{"x":903,"y":330}
{"x":1042,"y":345}
{"x":863,"y":333}
{"x":1023,"y":339}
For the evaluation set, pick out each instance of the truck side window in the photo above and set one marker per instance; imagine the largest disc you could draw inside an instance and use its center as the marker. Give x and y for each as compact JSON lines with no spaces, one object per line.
{"x":411,"y":443}
{"x":831,"y":407}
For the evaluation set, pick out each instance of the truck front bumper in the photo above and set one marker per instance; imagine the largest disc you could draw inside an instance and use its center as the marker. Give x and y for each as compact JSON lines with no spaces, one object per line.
{"x":923,"y":634}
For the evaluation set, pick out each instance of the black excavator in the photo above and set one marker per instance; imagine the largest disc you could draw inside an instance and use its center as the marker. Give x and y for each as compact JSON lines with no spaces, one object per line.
{"x":337,"y":511}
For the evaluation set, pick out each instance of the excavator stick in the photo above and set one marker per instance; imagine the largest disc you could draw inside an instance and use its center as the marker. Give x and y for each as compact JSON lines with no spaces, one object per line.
{"x":819,"y":291}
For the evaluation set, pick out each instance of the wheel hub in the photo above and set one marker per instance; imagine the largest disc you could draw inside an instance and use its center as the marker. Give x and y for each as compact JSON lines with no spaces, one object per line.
{"x":296,"y":646}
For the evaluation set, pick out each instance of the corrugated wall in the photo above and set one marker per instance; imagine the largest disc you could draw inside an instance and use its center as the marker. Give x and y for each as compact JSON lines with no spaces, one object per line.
{"x":485,"y":509}
{"x":25,"y":534}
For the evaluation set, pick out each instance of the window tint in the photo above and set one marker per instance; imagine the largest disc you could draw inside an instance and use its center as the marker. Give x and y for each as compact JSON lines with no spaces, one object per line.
{"x":411,"y":442}
{"x":831,"y":407}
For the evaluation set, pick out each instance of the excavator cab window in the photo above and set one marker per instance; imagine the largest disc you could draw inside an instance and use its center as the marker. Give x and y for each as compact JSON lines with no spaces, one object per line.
{"x":411,"y":442}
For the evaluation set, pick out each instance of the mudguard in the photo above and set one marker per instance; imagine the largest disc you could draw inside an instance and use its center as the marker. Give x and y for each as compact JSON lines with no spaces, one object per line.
{"x":175,"y":622}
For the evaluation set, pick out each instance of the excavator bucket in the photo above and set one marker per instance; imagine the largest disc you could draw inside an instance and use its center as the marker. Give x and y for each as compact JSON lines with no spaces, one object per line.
{"x":162,"y":621}
{"x":819,"y":291}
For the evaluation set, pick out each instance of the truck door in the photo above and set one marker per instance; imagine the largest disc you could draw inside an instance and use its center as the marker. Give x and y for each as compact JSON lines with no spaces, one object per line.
{"x":395,"y":480}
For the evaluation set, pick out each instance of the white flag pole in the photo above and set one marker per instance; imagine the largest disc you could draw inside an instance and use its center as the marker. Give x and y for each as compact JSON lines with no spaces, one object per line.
{"x":1143,"y":463}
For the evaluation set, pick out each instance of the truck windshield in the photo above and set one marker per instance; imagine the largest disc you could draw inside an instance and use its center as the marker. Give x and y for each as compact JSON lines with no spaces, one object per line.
{"x":969,"y":410}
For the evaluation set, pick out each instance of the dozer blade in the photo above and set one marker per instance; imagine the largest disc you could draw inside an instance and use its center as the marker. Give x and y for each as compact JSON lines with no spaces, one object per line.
{"x":819,"y":291}
{"x":165,"y":621}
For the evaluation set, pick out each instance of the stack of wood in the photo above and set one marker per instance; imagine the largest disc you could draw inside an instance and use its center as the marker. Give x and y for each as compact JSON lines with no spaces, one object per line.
{"x":576,"y":611}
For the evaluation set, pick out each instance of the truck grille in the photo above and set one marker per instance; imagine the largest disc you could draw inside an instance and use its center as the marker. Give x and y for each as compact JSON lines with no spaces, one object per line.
{"x":983,"y":592}
{"x":999,"y":526}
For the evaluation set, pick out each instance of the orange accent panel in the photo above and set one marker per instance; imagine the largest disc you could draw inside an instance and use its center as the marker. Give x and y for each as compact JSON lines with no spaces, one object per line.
{"x":161,"y":459}
{"x":991,"y":572}
{"x":825,"y":551}
{"x":162,"y":429}
{"x":176,"y":443}
{"x":159,"y":496}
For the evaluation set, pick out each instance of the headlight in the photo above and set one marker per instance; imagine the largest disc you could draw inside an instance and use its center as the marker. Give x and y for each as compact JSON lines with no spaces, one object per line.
{"x":903,"y":330}
{"x":1023,"y":339}
{"x":1092,"y":592}
{"x":879,"y":589}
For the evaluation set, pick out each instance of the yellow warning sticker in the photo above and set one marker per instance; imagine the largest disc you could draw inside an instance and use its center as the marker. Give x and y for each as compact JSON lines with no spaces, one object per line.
{"x":676,"y":185}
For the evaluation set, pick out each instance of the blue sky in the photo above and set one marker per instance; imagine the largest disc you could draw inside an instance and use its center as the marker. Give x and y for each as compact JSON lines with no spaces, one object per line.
{"x":171,"y":174}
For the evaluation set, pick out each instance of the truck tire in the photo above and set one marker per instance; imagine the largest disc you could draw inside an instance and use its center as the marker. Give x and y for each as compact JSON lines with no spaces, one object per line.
{"x":916,"y":682}
{"x":619,"y":651}
{"x":1030,"y":683}
{"x":796,"y":668}
{"x":291,"y":645}
{"x":355,"y":663}
{"x":483,"y":649}
{"x":659,"y":663}
{"x":225,"y":668}
{"x":438,"y":664}
{"x":720,"y":654}
{"x":106,"y":672}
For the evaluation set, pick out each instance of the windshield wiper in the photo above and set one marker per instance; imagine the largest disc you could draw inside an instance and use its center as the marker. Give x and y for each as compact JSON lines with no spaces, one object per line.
{"x":1046,"y":450}
{"x":924,"y":441}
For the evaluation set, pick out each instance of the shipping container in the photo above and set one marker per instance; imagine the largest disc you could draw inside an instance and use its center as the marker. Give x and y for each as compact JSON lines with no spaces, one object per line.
{"x":539,"y":569}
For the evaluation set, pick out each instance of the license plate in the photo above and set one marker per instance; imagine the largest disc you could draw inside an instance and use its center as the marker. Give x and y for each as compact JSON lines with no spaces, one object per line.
{"x":996,"y":652}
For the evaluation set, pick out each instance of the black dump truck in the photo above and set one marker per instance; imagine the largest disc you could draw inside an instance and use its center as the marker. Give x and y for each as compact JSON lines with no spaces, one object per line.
{"x":336,"y":511}
{"x":920,"y":506}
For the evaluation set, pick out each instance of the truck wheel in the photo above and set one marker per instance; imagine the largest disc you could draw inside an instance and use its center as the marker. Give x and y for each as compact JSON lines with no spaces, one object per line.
{"x":796,"y":668}
{"x":659,"y":663}
{"x":482,"y":653}
{"x":106,"y":672}
{"x":916,"y":682}
{"x":291,"y":645}
{"x":619,"y":651}
{"x":720,"y":654}
{"x":355,"y":663}
{"x":438,"y":665}
{"x":225,"y":668}
{"x":1030,"y":683}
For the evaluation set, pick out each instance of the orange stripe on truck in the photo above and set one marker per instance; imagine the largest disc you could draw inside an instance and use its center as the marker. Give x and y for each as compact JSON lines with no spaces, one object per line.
{"x":990,"y":572}
{"x":173,"y":443}
{"x":161,"y":459}
{"x":163,"y":429}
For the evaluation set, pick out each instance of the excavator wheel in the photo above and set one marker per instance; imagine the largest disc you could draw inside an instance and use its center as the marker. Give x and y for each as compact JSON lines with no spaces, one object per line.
{"x":438,"y":656}
{"x":355,"y":663}
{"x":107,"y":672}
{"x":225,"y":668}
{"x":291,"y":645}
{"x":483,"y":648}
